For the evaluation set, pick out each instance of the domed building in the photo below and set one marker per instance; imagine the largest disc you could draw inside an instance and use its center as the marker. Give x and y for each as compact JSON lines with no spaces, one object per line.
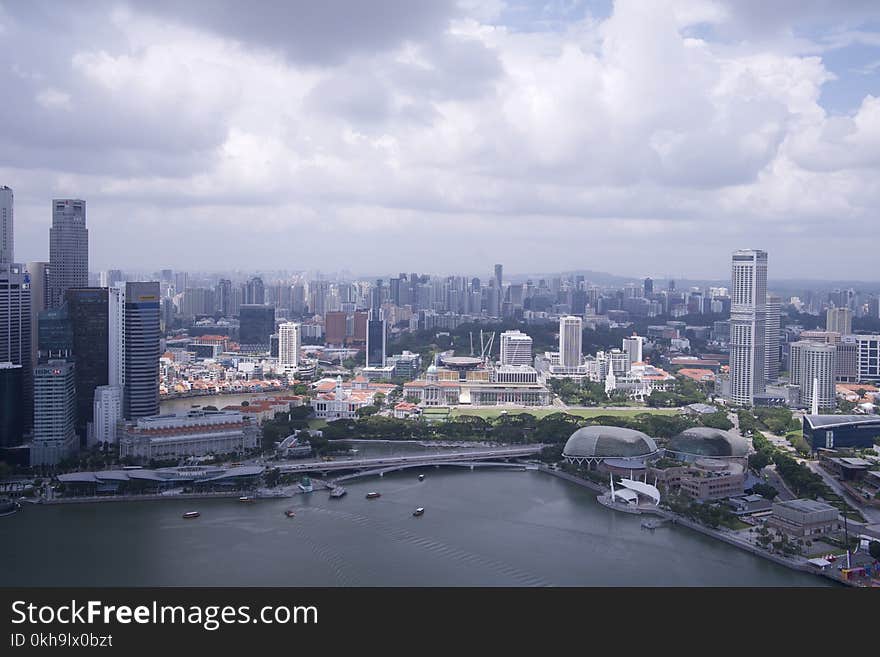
{"x":699,"y":442}
{"x":594,"y":444}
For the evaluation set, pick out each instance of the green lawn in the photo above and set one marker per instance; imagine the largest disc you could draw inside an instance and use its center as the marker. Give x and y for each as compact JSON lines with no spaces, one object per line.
{"x":543,"y":412}
{"x":316,"y":424}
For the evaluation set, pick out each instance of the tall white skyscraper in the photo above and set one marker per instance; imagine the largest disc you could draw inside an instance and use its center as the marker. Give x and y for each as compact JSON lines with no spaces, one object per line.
{"x":7,"y":235}
{"x":289,"y":341}
{"x":816,"y":366}
{"x":771,"y":338}
{"x":632,"y":347}
{"x":68,"y":249}
{"x":570,"y":340}
{"x":839,"y":320}
{"x":516,"y":348}
{"x":748,"y":318}
{"x":107,"y":412}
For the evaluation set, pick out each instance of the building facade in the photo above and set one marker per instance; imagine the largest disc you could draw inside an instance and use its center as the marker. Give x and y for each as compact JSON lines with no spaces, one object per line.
{"x":107,"y":412}
{"x":88,"y":310}
{"x":7,"y":234}
{"x":289,"y":341}
{"x":748,"y":311}
{"x":16,"y":328}
{"x":570,"y":341}
{"x":68,"y":249}
{"x":54,"y":413}
{"x":516,"y":348}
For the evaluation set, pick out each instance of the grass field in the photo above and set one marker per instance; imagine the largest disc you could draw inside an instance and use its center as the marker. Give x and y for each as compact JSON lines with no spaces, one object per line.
{"x":543,"y":412}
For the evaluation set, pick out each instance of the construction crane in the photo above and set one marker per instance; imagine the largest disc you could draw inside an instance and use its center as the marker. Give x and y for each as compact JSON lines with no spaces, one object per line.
{"x":486,"y":345}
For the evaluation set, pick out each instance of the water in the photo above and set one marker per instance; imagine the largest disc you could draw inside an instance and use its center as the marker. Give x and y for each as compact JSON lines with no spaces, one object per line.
{"x":480,"y":528}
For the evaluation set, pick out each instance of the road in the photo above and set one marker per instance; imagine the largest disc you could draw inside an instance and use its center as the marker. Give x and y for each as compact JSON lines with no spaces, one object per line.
{"x":872,"y":515}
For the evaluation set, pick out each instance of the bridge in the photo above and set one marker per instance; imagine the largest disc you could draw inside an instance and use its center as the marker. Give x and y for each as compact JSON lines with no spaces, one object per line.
{"x":457,"y":464}
{"x":477,"y":457}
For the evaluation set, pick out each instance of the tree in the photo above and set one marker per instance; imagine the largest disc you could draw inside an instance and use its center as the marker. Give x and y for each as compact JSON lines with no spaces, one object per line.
{"x":874,"y":549}
{"x":366,"y":411}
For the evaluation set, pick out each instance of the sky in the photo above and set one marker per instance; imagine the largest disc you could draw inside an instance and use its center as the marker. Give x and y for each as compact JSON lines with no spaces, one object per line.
{"x":643,"y":138}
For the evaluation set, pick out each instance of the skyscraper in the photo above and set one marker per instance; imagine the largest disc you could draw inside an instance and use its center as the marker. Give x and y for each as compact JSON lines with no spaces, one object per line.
{"x":839,"y":320}
{"x":816,"y":366}
{"x":11,"y":404}
{"x":89,"y":318}
{"x":15,"y":328}
{"x":499,"y":277}
{"x":771,"y":339}
{"x":107,"y":411}
{"x":38,"y":272}
{"x":648,"y":287}
{"x":516,"y":348}
{"x":288,"y":345}
{"x":7,"y":235}
{"x":54,"y":413}
{"x":748,"y":316}
{"x":134,"y":347}
{"x":256,"y":324}
{"x":632,"y":347}
{"x":570,"y":338}
{"x":376,"y":343}
{"x":68,"y":249}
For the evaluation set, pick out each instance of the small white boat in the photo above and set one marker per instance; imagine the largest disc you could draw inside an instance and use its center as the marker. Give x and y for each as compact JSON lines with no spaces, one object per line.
{"x":420,"y":511}
{"x":191,"y":514}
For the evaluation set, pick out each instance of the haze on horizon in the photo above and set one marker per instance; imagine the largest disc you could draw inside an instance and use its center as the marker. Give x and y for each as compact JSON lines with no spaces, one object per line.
{"x":636,"y":138}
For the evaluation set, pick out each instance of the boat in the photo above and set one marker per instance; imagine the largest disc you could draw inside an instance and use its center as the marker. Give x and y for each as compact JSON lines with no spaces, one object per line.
{"x":305,"y":485}
{"x":372,"y":495}
{"x":419,"y":512}
{"x":421,"y":477}
{"x":290,"y":513}
{"x":247,"y":499}
{"x":338,"y":492}
{"x":191,"y":514}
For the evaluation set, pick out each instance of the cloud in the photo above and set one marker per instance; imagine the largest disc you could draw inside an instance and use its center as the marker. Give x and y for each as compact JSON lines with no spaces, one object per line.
{"x":375,"y":129}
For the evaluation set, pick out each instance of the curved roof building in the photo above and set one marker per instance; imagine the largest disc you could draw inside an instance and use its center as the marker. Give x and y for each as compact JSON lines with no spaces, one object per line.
{"x":705,"y":441}
{"x":596,"y":443}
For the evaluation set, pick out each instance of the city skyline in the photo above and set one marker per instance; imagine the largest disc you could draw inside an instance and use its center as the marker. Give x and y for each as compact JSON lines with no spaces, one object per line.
{"x":711,"y":124}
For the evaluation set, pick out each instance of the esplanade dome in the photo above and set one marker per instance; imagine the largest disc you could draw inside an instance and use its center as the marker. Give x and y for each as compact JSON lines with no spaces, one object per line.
{"x":706,"y":441}
{"x":600,"y":442}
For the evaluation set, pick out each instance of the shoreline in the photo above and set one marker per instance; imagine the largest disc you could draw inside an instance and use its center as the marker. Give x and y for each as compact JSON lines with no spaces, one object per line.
{"x":674,"y":519}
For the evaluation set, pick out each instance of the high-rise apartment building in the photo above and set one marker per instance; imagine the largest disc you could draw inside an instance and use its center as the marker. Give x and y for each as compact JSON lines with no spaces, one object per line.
{"x":748,"y":317}
{"x":289,"y":341}
{"x":516,"y":348}
{"x":771,"y":338}
{"x":68,"y":249}
{"x":570,"y":341}
{"x":839,"y":320}
{"x":15,"y":328}
{"x":7,"y":235}
{"x":869,"y":357}
{"x":54,"y":413}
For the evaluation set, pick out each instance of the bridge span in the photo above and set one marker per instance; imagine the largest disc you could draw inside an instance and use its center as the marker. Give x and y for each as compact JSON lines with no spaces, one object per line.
{"x":458,"y":464}
{"x":388,"y":463}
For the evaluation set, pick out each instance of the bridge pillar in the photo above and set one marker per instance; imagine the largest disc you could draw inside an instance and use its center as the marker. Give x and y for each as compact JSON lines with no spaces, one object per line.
{"x":472,"y":466}
{"x":381,"y":474}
